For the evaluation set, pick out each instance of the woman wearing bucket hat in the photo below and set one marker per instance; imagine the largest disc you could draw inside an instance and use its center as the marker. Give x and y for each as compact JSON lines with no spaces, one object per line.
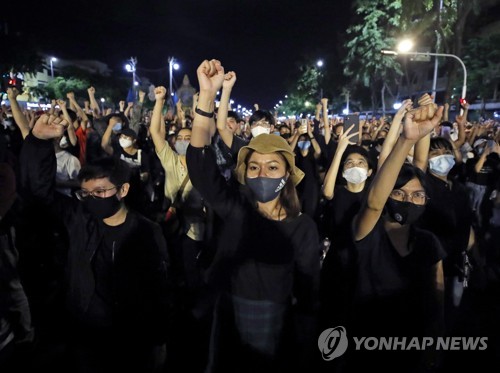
{"x":266,"y":267}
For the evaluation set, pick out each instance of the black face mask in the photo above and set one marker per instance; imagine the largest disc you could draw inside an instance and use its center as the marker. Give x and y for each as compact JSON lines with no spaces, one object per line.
{"x":404,"y":212}
{"x":286,"y":136}
{"x":366,"y":142}
{"x":102,"y":208}
{"x":380,"y":141}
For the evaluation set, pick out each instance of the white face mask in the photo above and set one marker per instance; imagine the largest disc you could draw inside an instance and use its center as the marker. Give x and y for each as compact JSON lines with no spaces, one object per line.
{"x":454,"y":136}
{"x":125,"y":143}
{"x":259,"y":130}
{"x":355,"y":175}
{"x":442,"y":164}
{"x":181,"y":146}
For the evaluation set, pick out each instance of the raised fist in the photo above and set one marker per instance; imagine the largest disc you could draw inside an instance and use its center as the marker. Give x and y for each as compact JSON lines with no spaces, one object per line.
{"x":91,"y":91}
{"x":160,"y":93}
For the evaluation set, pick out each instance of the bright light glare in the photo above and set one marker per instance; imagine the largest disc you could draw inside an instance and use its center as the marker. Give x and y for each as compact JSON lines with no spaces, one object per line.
{"x":405,"y":45}
{"x":136,"y":83}
{"x":128,"y":67}
{"x":176,"y":66}
{"x":53,"y":59}
{"x":345,"y":111}
{"x":103,"y":99}
{"x":397,"y":105}
{"x":319,"y":63}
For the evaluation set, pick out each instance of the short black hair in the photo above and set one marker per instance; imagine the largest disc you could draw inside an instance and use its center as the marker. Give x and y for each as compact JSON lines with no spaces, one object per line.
{"x":116,"y":170}
{"x":409,"y":172}
{"x":440,"y":143}
{"x":232,"y":114}
{"x":122,"y":117}
{"x":358,"y":150}
{"x":260,"y":115}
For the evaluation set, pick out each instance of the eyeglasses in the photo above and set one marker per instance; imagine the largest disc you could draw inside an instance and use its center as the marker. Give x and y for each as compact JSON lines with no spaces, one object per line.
{"x":262,"y":123}
{"x":359,"y":163}
{"x":83,"y":194}
{"x":418,"y":198}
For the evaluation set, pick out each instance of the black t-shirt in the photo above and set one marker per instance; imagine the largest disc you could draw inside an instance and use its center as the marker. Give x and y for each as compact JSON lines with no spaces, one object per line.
{"x":488,"y":174}
{"x":448,"y":215}
{"x":392,"y":292}
{"x":100,"y":312}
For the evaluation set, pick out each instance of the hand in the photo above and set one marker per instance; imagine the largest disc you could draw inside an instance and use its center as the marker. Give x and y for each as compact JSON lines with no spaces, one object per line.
{"x":406,"y":106}
{"x":414,"y":131}
{"x":324,"y":102}
{"x":108,"y":111}
{"x":210,"y":76}
{"x":160,"y":93}
{"x":229,"y":80}
{"x":12,"y":93}
{"x":319,"y":107}
{"x":91,"y":91}
{"x":49,"y":127}
{"x":62,"y":104}
{"x":309,"y":129}
{"x":122,"y":105}
{"x":70,"y":96}
{"x":142,"y":94}
{"x":345,"y":137}
{"x":53,"y":103}
{"x":256,"y":106}
{"x":461,"y":120}
{"x":130,"y":104}
{"x":302,"y":129}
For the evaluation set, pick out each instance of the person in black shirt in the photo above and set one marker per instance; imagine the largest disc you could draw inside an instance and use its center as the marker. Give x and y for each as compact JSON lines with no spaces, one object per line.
{"x":266,"y":268}
{"x":118,"y":291}
{"x":399,"y":289}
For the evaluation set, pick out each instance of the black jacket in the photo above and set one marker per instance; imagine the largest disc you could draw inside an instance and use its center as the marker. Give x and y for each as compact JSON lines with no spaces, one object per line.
{"x":141,"y":293}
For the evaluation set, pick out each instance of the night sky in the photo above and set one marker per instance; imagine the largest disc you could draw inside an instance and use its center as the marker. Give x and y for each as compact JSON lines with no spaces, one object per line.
{"x":262,"y":41}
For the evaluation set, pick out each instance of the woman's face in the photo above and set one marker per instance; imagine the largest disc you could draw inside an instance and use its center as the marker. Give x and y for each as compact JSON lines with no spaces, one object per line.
{"x":356,"y":160}
{"x":412,"y":191}
{"x":271,"y":165}
{"x":439,"y":151}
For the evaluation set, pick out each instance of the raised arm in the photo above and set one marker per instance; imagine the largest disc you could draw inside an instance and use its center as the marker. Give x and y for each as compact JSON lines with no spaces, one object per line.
{"x":78,"y":109}
{"x":331,"y":175}
{"x":210,"y":77}
{"x":71,"y":130}
{"x":19,"y":118}
{"x":106,"y":139}
{"x":155,"y":128}
{"x":393,"y":133}
{"x":225,"y":134}
{"x":314,"y":142}
{"x":385,"y":179}
{"x":93,"y":102}
{"x":135,"y":119}
{"x":328,"y":132}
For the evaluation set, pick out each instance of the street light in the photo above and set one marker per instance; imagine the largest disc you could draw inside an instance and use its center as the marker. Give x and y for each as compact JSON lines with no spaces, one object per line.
{"x":131,"y":67}
{"x":172,"y":65}
{"x":102,"y":104}
{"x":52,"y":60}
{"x":464,"y":87}
{"x":320,"y":64}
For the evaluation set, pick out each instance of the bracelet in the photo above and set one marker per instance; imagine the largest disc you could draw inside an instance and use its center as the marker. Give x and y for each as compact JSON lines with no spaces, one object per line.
{"x":204,"y":113}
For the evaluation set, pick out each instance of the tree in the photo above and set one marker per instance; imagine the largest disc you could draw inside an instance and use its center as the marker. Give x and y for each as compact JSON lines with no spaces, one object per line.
{"x":304,"y":95}
{"x":375,"y":31}
{"x":481,"y":56}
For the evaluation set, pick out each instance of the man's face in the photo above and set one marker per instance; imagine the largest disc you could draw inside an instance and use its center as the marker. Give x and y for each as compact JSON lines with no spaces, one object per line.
{"x":184,"y":135}
{"x":231,"y":124}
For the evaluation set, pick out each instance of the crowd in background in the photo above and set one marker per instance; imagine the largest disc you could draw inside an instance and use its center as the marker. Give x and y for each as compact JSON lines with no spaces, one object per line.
{"x":241,"y":238}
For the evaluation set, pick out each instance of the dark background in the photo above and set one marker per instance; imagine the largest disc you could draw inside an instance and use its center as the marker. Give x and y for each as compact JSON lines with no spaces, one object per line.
{"x":262,"y":41}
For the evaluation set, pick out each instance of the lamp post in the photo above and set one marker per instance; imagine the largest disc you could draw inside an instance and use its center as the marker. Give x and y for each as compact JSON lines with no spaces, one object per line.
{"x":131,"y":67}
{"x":320,"y":64}
{"x":102,"y":104}
{"x":407,"y":52}
{"x":172,"y":65}
{"x":52,"y":60}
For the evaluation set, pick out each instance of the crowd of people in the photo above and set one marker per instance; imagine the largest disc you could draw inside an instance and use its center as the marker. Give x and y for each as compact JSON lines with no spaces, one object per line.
{"x":196,"y":240}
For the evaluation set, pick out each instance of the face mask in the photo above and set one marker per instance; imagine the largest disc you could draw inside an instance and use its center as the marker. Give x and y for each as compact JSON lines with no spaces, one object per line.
{"x":286,"y":136}
{"x":380,"y":141}
{"x":304,"y":145}
{"x":265,"y":188}
{"x":125,"y":143}
{"x":7,"y":122}
{"x":366,"y":142}
{"x":117,"y":127}
{"x":102,"y":208}
{"x":454,"y":136}
{"x":355,"y":175}
{"x":276,"y":133}
{"x":63,"y":143}
{"x":259,"y":130}
{"x":442,"y":164}
{"x":404,"y":212}
{"x":181,"y":146}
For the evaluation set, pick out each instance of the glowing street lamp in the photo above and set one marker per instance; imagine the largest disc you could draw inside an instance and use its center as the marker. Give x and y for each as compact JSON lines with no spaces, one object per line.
{"x":172,"y":65}
{"x":131,"y":67}
{"x":319,"y":63}
{"x":52,"y":60}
